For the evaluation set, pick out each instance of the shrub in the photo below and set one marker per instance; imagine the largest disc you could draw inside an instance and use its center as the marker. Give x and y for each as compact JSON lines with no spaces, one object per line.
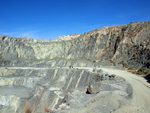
{"x":139,"y":73}
{"x":94,"y":61}
{"x":148,"y":64}
{"x":143,"y":71}
{"x":148,"y":71}
{"x":124,"y":65}
{"x":114,"y":63}
{"x":1,"y":57}
{"x":88,"y":59}
{"x":130,"y":68}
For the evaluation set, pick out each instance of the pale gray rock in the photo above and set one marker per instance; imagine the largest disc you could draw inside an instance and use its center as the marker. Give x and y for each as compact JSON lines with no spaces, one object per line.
{"x":52,"y":85}
{"x":106,"y":46}
{"x":58,"y":89}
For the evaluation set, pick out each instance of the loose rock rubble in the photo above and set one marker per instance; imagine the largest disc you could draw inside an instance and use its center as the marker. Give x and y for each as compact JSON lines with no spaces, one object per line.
{"x":62,"y":89}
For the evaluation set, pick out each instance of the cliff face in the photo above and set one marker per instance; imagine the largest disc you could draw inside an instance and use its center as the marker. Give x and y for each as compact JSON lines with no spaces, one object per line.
{"x":123,"y":43}
{"x":39,"y":76}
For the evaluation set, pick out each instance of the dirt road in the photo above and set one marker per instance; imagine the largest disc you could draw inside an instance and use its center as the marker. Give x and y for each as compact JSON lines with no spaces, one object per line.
{"x":140,"y":101}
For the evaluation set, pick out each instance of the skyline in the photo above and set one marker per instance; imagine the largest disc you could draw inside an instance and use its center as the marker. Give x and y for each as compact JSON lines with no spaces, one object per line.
{"x":49,"y":19}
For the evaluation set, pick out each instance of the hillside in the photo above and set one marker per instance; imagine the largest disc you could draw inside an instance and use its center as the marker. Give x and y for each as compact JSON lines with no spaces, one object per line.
{"x":80,"y":73}
{"x":123,"y":43}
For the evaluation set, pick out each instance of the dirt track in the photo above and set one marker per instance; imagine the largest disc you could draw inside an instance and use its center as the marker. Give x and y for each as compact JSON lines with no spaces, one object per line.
{"x":140,"y":101}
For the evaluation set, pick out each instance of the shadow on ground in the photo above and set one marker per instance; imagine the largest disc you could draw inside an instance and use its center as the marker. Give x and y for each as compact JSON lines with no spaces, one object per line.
{"x":148,"y":78}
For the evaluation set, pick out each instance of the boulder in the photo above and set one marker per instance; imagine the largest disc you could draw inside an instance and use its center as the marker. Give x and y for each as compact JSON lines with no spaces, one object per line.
{"x":93,"y":88}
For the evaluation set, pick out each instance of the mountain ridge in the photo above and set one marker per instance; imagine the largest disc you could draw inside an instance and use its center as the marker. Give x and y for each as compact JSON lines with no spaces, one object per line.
{"x":121,"y":43}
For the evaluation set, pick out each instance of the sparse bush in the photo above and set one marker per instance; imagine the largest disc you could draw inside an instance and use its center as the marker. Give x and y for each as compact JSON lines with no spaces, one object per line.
{"x":88,"y":59}
{"x":114,"y":63}
{"x":120,"y":63}
{"x":130,"y":68}
{"x":133,"y":70}
{"x":124,"y":65}
{"x":148,"y":64}
{"x":139,"y":73}
{"x":94,"y":61}
{"x":147,"y":71}
{"x":1,"y":57}
{"x":143,"y":71}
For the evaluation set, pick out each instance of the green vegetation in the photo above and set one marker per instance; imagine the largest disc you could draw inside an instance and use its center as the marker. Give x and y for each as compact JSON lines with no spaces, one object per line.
{"x":88,"y":59}
{"x":130,"y":68}
{"x":143,"y":71}
{"x":114,"y":63}
{"x":124,"y":64}
{"x":94,"y":60}
{"x":148,"y":64}
{"x":1,"y":57}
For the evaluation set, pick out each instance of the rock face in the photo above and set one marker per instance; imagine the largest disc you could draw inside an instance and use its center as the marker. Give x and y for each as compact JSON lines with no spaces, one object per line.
{"x":69,"y":37}
{"x":123,"y":43}
{"x":35,"y":73}
{"x":59,"y":90}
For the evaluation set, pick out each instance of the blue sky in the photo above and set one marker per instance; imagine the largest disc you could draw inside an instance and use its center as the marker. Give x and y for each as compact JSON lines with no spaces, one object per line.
{"x":52,"y":18}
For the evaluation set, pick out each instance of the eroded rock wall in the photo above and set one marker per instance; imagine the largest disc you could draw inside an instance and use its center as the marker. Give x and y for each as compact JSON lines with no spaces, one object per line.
{"x":123,"y":43}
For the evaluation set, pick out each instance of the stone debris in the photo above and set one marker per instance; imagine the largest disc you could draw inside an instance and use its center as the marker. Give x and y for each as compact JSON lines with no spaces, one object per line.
{"x":62,"y":89}
{"x":64,"y":106}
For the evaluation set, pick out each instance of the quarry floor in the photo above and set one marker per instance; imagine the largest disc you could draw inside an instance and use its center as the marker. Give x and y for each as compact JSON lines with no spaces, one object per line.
{"x":140,"y":101}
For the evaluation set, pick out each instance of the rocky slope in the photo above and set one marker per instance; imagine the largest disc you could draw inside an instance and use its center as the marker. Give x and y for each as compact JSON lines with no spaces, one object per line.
{"x":35,"y":73}
{"x":60,"y":90}
{"x":123,"y":43}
